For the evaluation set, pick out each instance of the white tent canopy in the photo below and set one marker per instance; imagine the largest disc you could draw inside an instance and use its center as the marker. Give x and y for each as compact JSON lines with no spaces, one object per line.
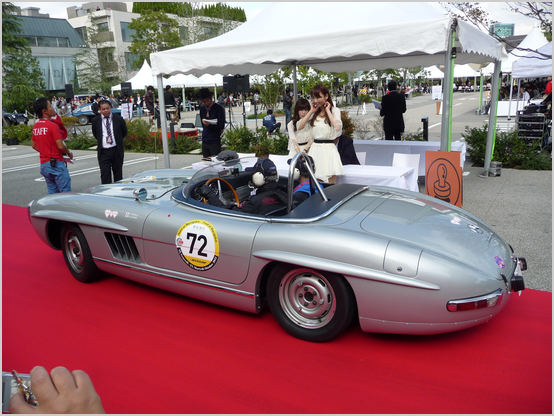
{"x":534,"y":65}
{"x":332,"y":37}
{"x":144,"y":77}
{"x":465,"y":71}
{"x":534,"y":40}
{"x":336,"y":37}
{"x":433,"y":72}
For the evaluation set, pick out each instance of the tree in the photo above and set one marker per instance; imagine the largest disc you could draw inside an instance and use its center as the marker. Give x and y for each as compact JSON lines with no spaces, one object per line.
{"x":473,"y":13}
{"x":22,"y":79}
{"x":154,"y":32}
{"x":97,"y":66}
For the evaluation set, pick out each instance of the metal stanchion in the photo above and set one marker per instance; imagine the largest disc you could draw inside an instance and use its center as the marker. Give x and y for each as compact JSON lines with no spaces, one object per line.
{"x":425,"y":121}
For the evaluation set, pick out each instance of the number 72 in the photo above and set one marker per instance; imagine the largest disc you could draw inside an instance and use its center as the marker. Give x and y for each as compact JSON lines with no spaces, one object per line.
{"x":201,"y":238}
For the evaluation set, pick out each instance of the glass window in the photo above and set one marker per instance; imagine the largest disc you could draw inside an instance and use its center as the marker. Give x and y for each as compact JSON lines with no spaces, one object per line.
{"x":31,"y":39}
{"x":103,"y":27}
{"x":63,"y":42}
{"x":47,"y":41}
{"x":184,"y":33}
{"x":129,"y":59}
{"x":82,"y":31}
{"x":126,"y":32}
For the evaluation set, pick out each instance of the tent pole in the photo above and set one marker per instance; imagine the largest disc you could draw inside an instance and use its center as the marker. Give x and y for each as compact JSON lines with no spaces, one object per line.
{"x":481,"y":92}
{"x":294,"y":86}
{"x":446,"y":126}
{"x":163,"y":121}
{"x":510,"y":103}
{"x":491,"y":133}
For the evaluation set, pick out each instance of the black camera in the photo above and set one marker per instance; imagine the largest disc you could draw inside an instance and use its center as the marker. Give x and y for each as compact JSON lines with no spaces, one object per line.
{"x":53,"y":162}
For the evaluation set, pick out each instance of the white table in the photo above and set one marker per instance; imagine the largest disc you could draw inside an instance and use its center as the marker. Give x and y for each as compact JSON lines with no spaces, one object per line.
{"x":380,"y":152}
{"x":396,"y":177}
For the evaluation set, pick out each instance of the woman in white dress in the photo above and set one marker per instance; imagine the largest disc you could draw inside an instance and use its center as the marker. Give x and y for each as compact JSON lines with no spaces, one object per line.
{"x":298,"y":139}
{"x":326,"y":125}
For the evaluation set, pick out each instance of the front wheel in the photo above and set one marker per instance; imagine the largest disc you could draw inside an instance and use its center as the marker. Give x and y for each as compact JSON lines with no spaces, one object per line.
{"x":77,"y":255}
{"x":311,"y":305}
{"x":83,"y":120}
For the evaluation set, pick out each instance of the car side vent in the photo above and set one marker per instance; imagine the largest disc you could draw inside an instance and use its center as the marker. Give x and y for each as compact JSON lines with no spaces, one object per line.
{"x":123,"y":247}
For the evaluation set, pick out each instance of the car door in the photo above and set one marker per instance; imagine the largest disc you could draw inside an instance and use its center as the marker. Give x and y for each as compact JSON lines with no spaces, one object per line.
{"x":214,"y":245}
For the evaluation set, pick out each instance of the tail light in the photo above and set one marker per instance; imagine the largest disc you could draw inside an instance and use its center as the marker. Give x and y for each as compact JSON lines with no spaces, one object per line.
{"x":479,"y":302}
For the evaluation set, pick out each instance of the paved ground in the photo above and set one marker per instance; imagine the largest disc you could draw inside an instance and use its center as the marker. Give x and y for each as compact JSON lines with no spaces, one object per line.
{"x":518,"y":204}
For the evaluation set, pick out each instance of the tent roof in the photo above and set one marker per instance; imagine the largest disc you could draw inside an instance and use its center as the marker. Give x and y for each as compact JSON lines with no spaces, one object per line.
{"x":142,"y":78}
{"x":463,"y":71}
{"x":332,"y":37}
{"x":434,"y":72}
{"x":534,"y":65}
{"x":534,"y":40}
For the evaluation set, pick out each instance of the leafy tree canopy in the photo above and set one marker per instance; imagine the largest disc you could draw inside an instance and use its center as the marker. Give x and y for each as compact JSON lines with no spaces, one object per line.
{"x":154,"y":32}
{"x":185,"y":9}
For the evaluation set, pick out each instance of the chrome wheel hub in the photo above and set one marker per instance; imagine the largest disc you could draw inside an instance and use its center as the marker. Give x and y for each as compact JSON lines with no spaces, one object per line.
{"x":74,"y":252}
{"x":307,"y":298}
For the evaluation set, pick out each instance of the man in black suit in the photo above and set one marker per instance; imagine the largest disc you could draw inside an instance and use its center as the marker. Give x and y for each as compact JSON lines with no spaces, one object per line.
{"x":169,"y":100}
{"x":345,"y":146}
{"x":109,"y":130}
{"x":393,"y":105}
{"x":95,"y":107}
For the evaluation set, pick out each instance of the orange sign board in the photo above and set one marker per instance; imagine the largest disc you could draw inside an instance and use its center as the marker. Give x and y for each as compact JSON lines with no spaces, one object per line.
{"x":443,"y":176}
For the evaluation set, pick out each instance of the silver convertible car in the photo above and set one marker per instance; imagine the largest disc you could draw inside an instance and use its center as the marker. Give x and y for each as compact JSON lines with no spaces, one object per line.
{"x":399,"y":261}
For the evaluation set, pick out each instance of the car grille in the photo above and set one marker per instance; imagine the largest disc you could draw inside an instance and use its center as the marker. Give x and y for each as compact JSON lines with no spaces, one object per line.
{"x":123,"y":247}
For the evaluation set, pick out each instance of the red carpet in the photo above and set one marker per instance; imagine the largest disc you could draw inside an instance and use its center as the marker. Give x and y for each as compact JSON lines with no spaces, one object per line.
{"x":149,"y":351}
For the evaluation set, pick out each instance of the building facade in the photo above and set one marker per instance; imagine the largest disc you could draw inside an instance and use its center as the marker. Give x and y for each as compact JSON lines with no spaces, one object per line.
{"x":54,"y":43}
{"x":110,"y":21}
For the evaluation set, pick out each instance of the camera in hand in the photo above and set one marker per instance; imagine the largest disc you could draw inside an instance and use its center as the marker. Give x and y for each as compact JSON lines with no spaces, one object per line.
{"x":53,"y":162}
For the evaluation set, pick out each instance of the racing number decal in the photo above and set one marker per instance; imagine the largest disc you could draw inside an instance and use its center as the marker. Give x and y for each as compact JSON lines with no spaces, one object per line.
{"x":198,"y":245}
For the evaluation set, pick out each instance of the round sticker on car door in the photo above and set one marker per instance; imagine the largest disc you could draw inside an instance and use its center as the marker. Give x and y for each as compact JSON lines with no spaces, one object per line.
{"x":198,"y":245}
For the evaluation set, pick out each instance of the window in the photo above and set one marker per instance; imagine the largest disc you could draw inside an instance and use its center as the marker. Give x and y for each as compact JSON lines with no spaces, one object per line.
{"x":126,"y":32}
{"x":184,"y":33}
{"x":129,"y":59}
{"x":82,"y":31}
{"x":103,"y":27}
{"x":47,"y":41}
{"x":31,"y":39}
{"x":63,"y":42}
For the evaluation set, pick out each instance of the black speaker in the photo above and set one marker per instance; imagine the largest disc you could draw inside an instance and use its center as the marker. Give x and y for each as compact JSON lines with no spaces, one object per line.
{"x":126,"y":89}
{"x":229,"y":84}
{"x":69,"y":92}
{"x":242,"y":83}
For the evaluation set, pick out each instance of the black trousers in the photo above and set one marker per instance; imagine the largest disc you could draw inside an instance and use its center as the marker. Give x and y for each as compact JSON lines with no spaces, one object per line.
{"x":110,"y":161}
{"x":211,"y":149}
{"x":395,"y":134}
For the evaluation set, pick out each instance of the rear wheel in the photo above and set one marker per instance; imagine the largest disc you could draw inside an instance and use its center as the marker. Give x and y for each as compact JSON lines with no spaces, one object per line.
{"x":309,"y":304}
{"x":83,"y":120}
{"x":77,"y":255}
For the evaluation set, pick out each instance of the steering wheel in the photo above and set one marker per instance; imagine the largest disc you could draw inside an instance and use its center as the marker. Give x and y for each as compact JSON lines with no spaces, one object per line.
{"x":215,"y":178}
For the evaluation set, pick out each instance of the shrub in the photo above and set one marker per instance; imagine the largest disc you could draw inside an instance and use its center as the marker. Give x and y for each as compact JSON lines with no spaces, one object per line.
{"x":21,"y":132}
{"x":80,"y":141}
{"x":70,"y":121}
{"x":138,"y":128}
{"x":509,"y":148}
{"x":414,"y":137}
{"x":243,"y":140}
{"x":183,"y":144}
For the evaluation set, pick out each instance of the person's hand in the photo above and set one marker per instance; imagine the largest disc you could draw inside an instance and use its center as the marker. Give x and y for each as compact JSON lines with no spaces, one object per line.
{"x":205,"y":122}
{"x":70,"y":154}
{"x":59,"y":392}
{"x":313,"y":108}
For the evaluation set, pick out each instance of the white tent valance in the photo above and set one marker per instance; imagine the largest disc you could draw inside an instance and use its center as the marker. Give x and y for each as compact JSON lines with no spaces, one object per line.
{"x":343,"y":39}
{"x":534,"y":65}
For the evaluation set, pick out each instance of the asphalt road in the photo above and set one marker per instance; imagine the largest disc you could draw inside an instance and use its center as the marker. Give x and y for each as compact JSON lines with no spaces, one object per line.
{"x":518,"y":204}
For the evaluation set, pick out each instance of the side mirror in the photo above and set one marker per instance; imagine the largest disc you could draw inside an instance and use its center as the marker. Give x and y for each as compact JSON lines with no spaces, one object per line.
{"x":140,"y":194}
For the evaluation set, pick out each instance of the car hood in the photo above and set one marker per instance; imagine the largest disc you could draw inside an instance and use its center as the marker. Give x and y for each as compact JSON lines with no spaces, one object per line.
{"x":446,"y":230}
{"x":156,"y":183}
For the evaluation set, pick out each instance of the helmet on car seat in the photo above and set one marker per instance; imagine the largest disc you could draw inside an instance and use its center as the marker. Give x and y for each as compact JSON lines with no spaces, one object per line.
{"x":264,"y":171}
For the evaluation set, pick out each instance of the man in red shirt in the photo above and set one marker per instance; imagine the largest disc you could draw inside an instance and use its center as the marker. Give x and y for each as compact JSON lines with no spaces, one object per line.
{"x":48,"y":137}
